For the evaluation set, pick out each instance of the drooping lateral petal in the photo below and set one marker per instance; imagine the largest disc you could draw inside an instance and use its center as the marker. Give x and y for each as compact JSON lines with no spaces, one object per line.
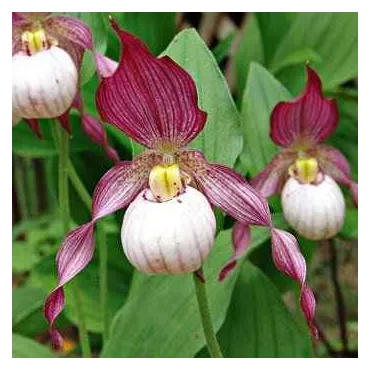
{"x":71,"y":28}
{"x":115,"y":190}
{"x":241,"y":238}
{"x":334,"y":163}
{"x":94,"y":129}
{"x":289,"y":260}
{"x":226,"y":189}
{"x":153,"y":100}
{"x":307,"y":120}
{"x":35,"y":127}
{"x":272,"y":178}
{"x":75,"y":253}
{"x":104,"y":65}
{"x":308,"y":305}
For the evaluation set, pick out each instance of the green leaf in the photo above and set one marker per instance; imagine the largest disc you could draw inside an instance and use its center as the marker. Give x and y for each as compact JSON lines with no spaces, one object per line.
{"x":262,"y":93}
{"x":250,"y":50}
{"x":155,"y":29}
{"x":42,"y":237}
{"x":297,"y":57}
{"x":25,"y":301}
{"x":257,"y":323}
{"x":333,"y":36}
{"x":24,"y":257}
{"x":222,"y":49}
{"x":161,"y":318}
{"x":274,"y":27}
{"x":220,"y":140}
{"x":350,"y":227}
{"x":24,"y":347}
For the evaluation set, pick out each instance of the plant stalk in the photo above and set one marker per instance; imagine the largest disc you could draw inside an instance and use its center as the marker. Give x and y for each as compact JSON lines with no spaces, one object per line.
{"x":19,"y":182}
{"x":30,"y":171}
{"x":341,"y":308}
{"x":62,"y":143}
{"x":206,"y":318}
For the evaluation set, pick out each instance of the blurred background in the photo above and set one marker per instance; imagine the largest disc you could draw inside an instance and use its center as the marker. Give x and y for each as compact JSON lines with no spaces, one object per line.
{"x":281,"y":43}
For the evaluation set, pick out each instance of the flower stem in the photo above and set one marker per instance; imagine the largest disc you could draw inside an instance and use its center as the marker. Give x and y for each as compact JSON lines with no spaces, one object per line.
{"x":206,"y":318}
{"x":62,"y":143}
{"x":341,"y":308}
{"x":30,"y":171}
{"x":103,"y":251}
{"x":19,"y":183}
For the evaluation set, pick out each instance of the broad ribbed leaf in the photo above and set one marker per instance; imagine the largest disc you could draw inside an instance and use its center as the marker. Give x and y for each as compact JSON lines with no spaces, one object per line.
{"x":220,"y":139}
{"x":25,"y":301}
{"x":262,"y":93}
{"x":257,"y":323}
{"x":23,"y":347}
{"x":333,"y":36}
{"x":161,"y":318}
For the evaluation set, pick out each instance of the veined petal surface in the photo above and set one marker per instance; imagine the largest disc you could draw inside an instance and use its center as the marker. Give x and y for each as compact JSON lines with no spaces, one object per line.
{"x":307,"y":120}
{"x":115,"y":190}
{"x":227,"y":189}
{"x":335,"y":164}
{"x":271,"y":179}
{"x":153,"y":100}
{"x":289,"y":260}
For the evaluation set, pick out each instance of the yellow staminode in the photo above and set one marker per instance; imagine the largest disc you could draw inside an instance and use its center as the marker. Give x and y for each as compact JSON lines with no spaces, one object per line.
{"x":307,"y":169}
{"x":165,"y":182}
{"x":34,"y":41}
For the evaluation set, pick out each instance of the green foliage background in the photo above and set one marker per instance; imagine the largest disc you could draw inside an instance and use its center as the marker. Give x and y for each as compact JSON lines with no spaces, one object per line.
{"x":157,"y":316}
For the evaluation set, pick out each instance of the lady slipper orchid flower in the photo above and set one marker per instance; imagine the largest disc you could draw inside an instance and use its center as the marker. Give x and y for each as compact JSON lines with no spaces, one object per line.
{"x":47,"y":56}
{"x":169,"y":226}
{"x":306,"y":172}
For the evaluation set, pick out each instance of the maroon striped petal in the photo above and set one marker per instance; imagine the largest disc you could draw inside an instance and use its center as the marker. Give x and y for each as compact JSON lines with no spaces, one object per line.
{"x":104,"y":65}
{"x":308,"y":306}
{"x":35,"y":127}
{"x":335,"y":164}
{"x":289,"y":260}
{"x":241,"y":238}
{"x":153,"y":100}
{"x":272,"y":178}
{"x":115,"y":190}
{"x":306,"y":120}
{"x":72,"y":29}
{"x":226,"y":189}
{"x":75,"y":253}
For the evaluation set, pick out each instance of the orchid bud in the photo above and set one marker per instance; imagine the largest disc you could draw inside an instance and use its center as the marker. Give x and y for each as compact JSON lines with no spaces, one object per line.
{"x":45,"y":78}
{"x":314,"y":210}
{"x":172,"y":237}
